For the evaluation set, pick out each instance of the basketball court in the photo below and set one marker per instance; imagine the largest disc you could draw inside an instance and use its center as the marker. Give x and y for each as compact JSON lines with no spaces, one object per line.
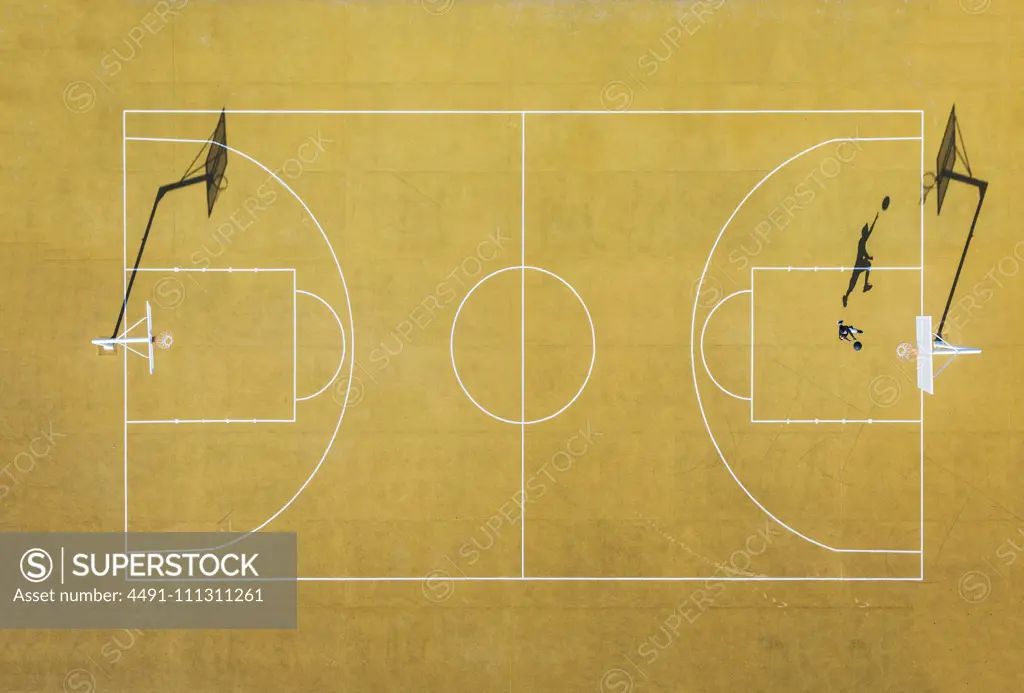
{"x":230,"y":380}
{"x":535,"y":378}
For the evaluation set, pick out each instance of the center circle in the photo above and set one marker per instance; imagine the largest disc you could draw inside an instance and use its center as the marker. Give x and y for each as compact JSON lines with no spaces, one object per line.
{"x":593,"y":344}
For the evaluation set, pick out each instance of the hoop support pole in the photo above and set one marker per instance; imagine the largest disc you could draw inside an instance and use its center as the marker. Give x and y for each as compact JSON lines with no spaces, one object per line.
{"x":122,"y":340}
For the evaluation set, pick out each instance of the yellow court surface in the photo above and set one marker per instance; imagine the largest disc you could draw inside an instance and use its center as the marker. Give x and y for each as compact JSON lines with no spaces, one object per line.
{"x":528,"y":321}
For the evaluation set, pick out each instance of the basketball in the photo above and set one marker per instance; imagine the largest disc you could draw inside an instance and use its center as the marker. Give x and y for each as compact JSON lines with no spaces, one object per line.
{"x":885,"y":203}
{"x":857,"y":346}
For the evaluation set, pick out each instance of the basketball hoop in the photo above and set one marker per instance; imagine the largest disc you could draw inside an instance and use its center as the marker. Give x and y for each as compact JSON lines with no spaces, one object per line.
{"x":927,"y":184}
{"x":906,"y":352}
{"x":164,"y":340}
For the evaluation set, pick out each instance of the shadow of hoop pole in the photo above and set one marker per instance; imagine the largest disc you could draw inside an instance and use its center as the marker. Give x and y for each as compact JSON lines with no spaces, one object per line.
{"x":952,"y":150}
{"x":215,"y":165}
{"x":982,"y":187}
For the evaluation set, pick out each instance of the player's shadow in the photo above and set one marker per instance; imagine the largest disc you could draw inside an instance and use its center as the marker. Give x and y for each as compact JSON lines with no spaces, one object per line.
{"x":862,"y":265}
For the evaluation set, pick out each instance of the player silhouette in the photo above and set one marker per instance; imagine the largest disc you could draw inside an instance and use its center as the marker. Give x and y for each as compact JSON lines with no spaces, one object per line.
{"x":863,"y":263}
{"x":848,"y":332}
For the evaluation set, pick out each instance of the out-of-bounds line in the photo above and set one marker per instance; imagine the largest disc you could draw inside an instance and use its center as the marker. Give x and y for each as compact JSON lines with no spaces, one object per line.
{"x":835,"y":269}
{"x":704,"y":329}
{"x":212,"y":269}
{"x":531,"y":112}
{"x":693,"y":330}
{"x":341,"y":362}
{"x":522,"y":344}
{"x":124,"y":291}
{"x":295,"y":348}
{"x":209,"y":421}
{"x":724,"y":578}
{"x":836,"y":421}
{"x":344,"y":284}
{"x":753,"y":342}
{"x":920,"y":478}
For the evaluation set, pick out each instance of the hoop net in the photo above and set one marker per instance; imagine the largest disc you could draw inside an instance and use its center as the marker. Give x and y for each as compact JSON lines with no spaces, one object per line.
{"x":164,"y":340}
{"x":906,"y":352}
{"x":927,"y":185}
{"x":216,"y":162}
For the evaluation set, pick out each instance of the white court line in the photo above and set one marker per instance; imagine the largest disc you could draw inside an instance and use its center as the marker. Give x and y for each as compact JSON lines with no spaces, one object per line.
{"x":433,"y":576}
{"x":522,"y":345}
{"x":693,"y":330}
{"x":715,"y":112}
{"x":752,"y":342}
{"x":527,"y":112}
{"x":341,"y":275}
{"x":836,"y":421}
{"x":213,"y":269}
{"x":834,"y":269}
{"x":809,"y":269}
{"x":149,"y":335}
{"x":209,"y":421}
{"x":723,"y":578}
{"x":124,"y":292}
{"x":340,"y":362}
{"x":921,"y":392}
{"x":593,"y":342}
{"x":704,"y":329}
{"x":295,"y":348}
